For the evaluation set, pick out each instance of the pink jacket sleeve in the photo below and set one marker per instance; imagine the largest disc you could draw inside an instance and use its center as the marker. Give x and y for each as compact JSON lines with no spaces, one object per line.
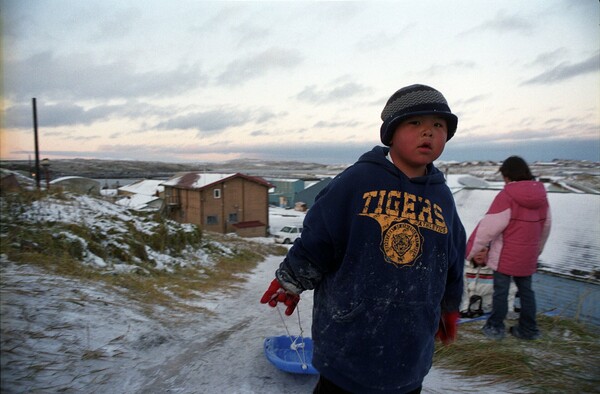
{"x":490,"y":229}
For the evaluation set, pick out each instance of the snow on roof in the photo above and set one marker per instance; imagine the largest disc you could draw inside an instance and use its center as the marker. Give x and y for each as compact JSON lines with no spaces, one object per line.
{"x":461,"y":181}
{"x":147,"y":187}
{"x":196,"y":180}
{"x":472,"y":181}
{"x":452,"y":181}
{"x":136,"y":201}
{"x":69,"y":178}
{"x":573,"y":247}
{"x":108,"y":192}
{"x":290,"y":180}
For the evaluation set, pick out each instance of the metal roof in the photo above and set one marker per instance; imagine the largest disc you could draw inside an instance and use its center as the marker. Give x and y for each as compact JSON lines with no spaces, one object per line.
{"x":199,"y":180}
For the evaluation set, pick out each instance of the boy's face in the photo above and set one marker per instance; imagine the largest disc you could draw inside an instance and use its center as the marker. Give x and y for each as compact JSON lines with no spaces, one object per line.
{"x":418,"y":141}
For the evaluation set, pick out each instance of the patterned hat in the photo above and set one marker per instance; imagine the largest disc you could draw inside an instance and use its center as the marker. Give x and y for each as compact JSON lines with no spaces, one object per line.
{"x":414,"y":100}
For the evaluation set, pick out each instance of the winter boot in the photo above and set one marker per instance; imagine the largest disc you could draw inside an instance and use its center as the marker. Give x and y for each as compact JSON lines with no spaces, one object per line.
{"x":493,"y":332}
{"x":516,"y":332}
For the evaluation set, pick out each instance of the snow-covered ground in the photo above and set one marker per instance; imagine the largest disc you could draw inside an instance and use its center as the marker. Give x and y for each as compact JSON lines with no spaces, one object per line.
{"x":66,"y":335}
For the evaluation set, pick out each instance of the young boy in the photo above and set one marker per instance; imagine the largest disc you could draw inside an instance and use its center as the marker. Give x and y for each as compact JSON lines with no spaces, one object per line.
{"x":383,"y":249}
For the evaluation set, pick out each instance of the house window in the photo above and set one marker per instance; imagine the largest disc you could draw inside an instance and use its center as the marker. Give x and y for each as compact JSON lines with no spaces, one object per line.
{"x":212,"y":220}
{"x":217,"y":193}
{"x":233,"y":217}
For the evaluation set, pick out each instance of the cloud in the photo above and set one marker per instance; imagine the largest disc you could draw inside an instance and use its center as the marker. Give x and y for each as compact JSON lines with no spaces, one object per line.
{"x":438,"y":69}
{"x":78,"y":76}
{"x":472,"y":100}
{"x":229,"y":13}
{"x":383,"y":39}
{"x":208,"y":122}
{"x":60,"y":114}
{"x":55,"y":115}
{"x":117,"y":25}
{"x":530,"y":150}
{"x":549,"y":58}
{"x":339,"y":92}
{"x":252,"y":67}
{"x":249,"y":34}
{"x":265,"y":115}
{"x":333,"y":125}
{"x":341,"y":12}
{"x":18,"y":117}
{"x":214,"y":121}
{"x":566,"y":71}
{"x":259,"y":133}
{"x":503,"y":23}
{"x":564,"y":130}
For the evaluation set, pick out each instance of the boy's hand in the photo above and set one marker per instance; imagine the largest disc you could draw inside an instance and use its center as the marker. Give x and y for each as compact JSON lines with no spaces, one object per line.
{"x":276,"y":293}
{"x":447,"y":329}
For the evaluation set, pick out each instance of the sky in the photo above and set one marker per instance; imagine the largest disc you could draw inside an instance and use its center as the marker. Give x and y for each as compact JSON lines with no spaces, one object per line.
{"x":195,"y":81}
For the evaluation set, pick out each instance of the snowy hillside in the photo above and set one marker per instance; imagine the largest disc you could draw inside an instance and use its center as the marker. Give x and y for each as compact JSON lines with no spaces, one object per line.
{"x":105,"y":235}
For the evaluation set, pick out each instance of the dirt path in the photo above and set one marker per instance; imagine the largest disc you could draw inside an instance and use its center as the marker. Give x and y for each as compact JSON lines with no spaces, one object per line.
{"x":226,"y":355}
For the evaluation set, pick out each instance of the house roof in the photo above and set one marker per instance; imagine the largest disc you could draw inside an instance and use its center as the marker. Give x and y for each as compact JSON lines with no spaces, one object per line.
{"x":65,"y":179}
{"x":198,"y":180}
{"x":573,"y":247}
{"x":136,"y":201}
{"x":147,"y":187}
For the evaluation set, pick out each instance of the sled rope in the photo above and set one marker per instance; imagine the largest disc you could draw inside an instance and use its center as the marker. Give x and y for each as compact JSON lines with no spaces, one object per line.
{"x":475,"y":290}
{"x":295,"y":345}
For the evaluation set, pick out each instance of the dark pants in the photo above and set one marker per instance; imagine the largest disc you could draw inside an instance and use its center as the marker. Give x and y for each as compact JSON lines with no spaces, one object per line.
{"x":527,"y":321}
{"x":325,"y":386}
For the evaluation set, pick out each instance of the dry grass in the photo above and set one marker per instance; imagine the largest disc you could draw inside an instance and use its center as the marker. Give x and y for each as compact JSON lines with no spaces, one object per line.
{"x":566,"y":359}
{"x":152,"y":287}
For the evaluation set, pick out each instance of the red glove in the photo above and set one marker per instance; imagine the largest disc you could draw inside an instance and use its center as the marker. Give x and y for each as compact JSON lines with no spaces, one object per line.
{"x":447,"y":329}
{"x":275,"y":293}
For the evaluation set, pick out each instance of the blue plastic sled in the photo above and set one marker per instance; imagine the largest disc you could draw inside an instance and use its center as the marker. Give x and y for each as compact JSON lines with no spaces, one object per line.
{"x":470,"y":319}
{"x":281,"y":353}
{"x":551,"y":312}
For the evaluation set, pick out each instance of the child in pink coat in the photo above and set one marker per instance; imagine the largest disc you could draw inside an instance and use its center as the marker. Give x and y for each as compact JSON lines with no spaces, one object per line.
{"x":509,"y":239}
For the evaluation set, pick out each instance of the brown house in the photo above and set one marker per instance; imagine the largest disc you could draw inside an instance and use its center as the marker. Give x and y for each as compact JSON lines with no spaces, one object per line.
{"x":9,"y":183}
{"x":222,"y":203}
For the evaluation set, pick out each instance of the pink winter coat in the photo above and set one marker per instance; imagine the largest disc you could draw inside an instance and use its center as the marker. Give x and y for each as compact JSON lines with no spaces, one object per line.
{"x":515,"y":227}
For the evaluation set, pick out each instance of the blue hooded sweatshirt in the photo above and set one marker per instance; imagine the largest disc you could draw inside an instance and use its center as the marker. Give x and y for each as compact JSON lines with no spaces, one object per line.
{"x":384,"y":255}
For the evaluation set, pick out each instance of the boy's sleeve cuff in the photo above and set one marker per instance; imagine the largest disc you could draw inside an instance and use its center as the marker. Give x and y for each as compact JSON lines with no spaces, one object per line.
{"x":287,"y":282}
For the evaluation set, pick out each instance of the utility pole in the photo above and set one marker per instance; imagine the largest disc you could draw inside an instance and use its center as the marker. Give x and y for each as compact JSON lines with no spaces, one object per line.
{"x":37,"y":147}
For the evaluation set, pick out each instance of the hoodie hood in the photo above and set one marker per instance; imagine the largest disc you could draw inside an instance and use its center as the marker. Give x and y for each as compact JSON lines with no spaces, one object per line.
{"x":377,"y":156}
{"x":528,"y":194}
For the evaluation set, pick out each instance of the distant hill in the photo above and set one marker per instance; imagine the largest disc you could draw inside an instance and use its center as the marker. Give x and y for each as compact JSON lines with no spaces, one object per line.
{"x":584,"y":173}
{"x":93,"y":168}
{"x":103,"y":168}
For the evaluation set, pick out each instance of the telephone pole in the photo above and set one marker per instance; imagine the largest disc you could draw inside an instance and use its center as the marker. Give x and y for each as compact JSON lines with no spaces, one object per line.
{"x":37,"y":148}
